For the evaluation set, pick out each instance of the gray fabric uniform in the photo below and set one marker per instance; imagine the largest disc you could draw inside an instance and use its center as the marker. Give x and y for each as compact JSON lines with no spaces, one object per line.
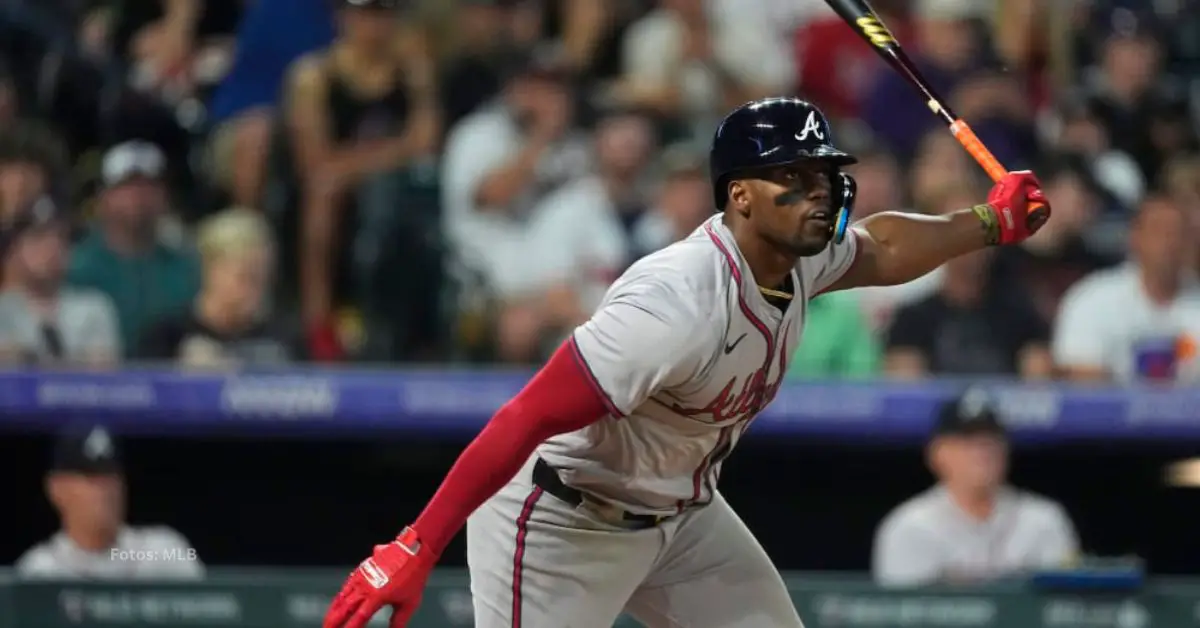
{"x":685,"y":352}
{"x":929,"y":539}
{"x":151,"y":553}
{"x":85,"y":320}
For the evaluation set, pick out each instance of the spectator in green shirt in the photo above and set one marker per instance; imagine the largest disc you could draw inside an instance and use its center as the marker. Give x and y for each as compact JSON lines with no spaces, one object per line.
{"x":837,"y":343}
{"x":123,"y":256}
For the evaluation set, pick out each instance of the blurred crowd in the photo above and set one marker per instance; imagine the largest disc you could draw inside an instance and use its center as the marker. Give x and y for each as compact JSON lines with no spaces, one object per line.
{"x":250,"y":183}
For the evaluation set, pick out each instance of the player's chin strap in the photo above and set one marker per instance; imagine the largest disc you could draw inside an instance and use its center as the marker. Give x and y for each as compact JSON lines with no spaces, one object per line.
{"x":845,"y":189}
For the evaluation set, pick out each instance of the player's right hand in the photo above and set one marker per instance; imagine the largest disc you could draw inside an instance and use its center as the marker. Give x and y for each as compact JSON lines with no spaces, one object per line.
{"x":394,"y":575}
{"x":1019,"y":206}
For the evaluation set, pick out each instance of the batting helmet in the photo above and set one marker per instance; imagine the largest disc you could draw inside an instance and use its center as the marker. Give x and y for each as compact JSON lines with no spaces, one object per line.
{"x":774,"y":132}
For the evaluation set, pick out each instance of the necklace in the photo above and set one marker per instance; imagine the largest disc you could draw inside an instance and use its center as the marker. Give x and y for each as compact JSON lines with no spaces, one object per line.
{"x":779,"y":294}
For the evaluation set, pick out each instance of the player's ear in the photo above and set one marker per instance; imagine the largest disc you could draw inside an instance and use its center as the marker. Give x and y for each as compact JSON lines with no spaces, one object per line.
{"x":739,"y":197}
{"x":55,"y":486}
{"x":933,"y":456}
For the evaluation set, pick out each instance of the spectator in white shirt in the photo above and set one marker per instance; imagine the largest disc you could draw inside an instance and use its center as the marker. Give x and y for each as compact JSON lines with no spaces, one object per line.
{"x":1140,"y":320}
{"x":681,"y":63}
{"x":42,"y":321}
{"x":971,"y":527}
{"x":87,"y":489}
{"x":582,"y":232}
{"x":500,"y":163}
{"x":780,"y":17}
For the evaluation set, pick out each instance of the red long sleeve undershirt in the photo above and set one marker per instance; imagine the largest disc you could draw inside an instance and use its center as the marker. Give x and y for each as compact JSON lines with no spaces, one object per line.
{"x":560,"y":398}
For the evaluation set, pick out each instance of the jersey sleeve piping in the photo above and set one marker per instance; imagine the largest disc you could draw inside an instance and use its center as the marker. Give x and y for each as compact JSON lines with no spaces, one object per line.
{"x":592,"y":381}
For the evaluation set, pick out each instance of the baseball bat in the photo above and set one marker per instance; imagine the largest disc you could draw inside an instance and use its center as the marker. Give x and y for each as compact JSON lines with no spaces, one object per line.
{"x":863,"y":19}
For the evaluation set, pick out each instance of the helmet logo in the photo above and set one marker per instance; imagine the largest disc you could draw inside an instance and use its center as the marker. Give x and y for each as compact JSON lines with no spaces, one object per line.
{"x":811,"y":125}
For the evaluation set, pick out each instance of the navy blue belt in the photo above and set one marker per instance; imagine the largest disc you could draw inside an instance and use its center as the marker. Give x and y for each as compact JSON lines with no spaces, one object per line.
{"x":546,"y":478}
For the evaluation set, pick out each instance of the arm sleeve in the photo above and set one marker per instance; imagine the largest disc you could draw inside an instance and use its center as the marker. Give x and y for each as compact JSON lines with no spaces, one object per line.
{"x":832,"y":263}
{"x":1079,"y":330}
{"x":633,"y":346}
{"x":904,"y":555}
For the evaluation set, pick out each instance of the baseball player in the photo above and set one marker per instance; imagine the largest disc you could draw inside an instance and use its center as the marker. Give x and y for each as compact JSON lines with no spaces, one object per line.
{"x":972,"y":526}
{"x":593,"y":491}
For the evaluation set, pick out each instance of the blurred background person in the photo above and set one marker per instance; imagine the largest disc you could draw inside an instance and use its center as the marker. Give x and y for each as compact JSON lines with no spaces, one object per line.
{"x":691,"y":68}
{"x":501,"y":162}
{"x":832,"y":66}
{"x":1030,"y":38}
{"x":478,"y":38}
{"x":1140,"y":320}
{"x":1182,"y":176}
{"x":86,"y":487}
{"x":939,"y":163}
{"x":682,"y":203}
{"x":1076,"y":130}
{"x":882,"y":187}
{"x":971,"y":527}
{"x":972,"y":325}
{"x":42,"y":321}
{"x":32,"y":157}
{"x":244,"y":107}
{"x":838,"y":343}
{"x":229,"y":325}
{"x":1143,"y":109}
{"x":949,"y":49}
{"x":173,"y":48}
{"x":1081,"y":240}
{"x":583,"y":231}
{"x":359,"y":116}
{"x":123,"y":253}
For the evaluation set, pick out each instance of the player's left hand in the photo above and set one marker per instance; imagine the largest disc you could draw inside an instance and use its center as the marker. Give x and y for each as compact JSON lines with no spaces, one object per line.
{"x":394,"y":575}
{"x":1019,"y":207}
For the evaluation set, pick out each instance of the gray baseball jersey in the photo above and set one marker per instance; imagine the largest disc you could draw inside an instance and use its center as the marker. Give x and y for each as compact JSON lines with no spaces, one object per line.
{"x":929,"y":539}
{"x":685,"y":351}
{"x":156,"y":552}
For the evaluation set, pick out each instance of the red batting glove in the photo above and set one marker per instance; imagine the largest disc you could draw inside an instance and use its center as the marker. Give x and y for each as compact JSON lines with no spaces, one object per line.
{"x":1018,"y":208}
{"x":393,"y":576}
{"x":324,"y":344}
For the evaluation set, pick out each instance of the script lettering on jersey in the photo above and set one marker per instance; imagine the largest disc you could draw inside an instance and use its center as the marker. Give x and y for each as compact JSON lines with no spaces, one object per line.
{"x":756,"y":392}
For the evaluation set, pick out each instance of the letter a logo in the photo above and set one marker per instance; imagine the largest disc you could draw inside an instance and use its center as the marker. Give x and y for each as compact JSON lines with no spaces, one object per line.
{"x":813,"y":126}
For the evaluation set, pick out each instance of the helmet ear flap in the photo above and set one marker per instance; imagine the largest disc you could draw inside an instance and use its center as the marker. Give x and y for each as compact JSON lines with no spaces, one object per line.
{"x":721,"y":192}
{"x":844,"y":190}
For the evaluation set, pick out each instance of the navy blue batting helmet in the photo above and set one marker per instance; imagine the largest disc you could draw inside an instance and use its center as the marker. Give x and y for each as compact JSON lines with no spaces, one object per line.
{"x":774,"y":132}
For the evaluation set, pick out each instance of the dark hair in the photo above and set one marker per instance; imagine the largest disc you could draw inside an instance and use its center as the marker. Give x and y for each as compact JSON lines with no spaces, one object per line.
{"x":30,"y":141}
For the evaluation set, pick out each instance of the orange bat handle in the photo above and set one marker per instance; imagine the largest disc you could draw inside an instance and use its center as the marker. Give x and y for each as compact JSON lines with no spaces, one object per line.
{"x":965,"y":136}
